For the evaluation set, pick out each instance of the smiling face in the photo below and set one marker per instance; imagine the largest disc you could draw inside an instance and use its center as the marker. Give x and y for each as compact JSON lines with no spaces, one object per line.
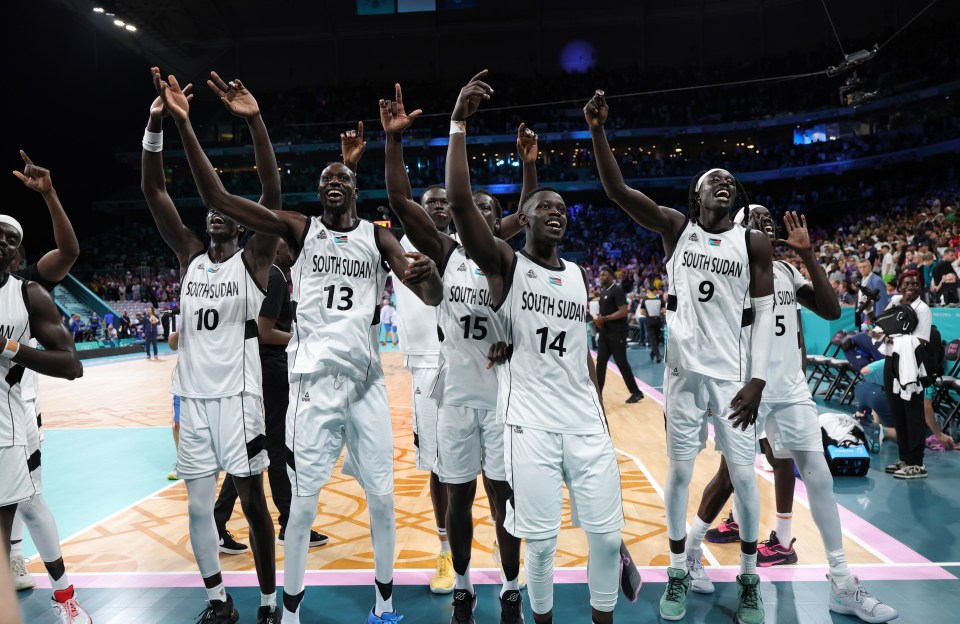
{"x":338,"y":188}
{"x":760,"y":219}
{"x":718,"y":191}
{"x":488,"y":208}
{"x":545,"y":216}
{"x":606,"y":278}
{"x":9,"y":244}
{"x":434,"y":201}
{"x":221,"y":227}
{"x":910,"y":287}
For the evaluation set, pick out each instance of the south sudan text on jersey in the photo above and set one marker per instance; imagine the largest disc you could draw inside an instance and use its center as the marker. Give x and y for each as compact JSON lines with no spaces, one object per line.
{"x":786,"y":297}
{"x":552,"y":306}
{"x":470,"y":296}
{"x":206,"y":290}
{"x":704,"y":262}
{"x":342,"y":266}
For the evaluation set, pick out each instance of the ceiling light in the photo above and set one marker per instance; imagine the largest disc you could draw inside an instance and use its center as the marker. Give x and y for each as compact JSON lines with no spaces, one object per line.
{"x":119,"y":23}
{"x":131,"y":27}
{"x":97,"y":10}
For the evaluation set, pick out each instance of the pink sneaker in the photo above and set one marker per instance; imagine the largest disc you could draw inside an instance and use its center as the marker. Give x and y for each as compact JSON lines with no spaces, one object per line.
{"x":726,"y":532}
{"x":772,"y":552}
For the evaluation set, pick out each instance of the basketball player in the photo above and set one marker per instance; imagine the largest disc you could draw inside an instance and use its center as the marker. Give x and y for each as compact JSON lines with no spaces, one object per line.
{"x":218,"y":375}
{"x":792,"y":427}
{"x":28,"y":313}
{"x":554,"y":434}
{"x":337,"y":391}
{"x":715,"y":267}
{"x":469,"y":440}
{"x":35,"y":514}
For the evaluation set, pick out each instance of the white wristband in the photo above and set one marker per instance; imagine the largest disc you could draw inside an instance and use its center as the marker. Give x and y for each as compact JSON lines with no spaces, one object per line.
{"x":153,"y":141}
{"x":10,"y":349}
{"x":458,"y":127}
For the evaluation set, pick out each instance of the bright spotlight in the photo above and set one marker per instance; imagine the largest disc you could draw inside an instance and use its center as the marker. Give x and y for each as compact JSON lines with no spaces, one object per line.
{"x":131,"y":27}
{"x":119,"y":23}
{"x":97,"y":10}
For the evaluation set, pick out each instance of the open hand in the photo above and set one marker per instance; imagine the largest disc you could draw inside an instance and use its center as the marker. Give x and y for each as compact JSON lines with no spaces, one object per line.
{"x":352,"y":144}
{"x":419,"y":268}
{"x":159,"y":111}
{"x":746,"y":404}
{"x":527,"y":144}
{"x":34,"y":177}
{"x":175,"y":100}
{"x":393,"y":116}
{"x":596,"y":110}
{"x":798,"y":238}
{"x":234,"y":96}
{"x":470,"y":97}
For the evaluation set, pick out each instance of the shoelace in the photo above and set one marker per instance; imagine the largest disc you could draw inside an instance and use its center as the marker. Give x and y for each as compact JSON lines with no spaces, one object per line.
{"x":203,"y":615}
{"x":70,"y":609}
{"x":696,"y":566}
{"x":751,"y":598}
{"x":674,"y":589}
{"x":463,"y":610}
{"x":446,"y":564}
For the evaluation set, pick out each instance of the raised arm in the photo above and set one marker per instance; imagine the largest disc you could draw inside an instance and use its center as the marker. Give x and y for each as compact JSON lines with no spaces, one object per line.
{"x":527,"y":149}
{"x":58,"y":358}
{"x":819,"y":296}
{"x":491,"y":254}
{"x":665,"y":221}
{"x":352,"y":147}
{"x":55,"y":264}
{"x":416,"y":222}
{"x":288,"y":225}
{"x":417,"y":271}
{"x":175,"y":234}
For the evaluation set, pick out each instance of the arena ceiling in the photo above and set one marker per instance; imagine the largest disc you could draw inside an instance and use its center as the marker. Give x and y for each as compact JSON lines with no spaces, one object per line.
{"x":289,"y":42}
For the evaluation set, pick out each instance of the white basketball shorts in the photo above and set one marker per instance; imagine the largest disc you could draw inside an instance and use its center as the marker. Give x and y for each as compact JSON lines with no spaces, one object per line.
{"x":424,"y":418}
{"x":469,"y":440}
{"x":221,"y":434}
{"x":328,"y":410}
{"x":687,"y":397}
{"x":16,"y":485}
{"x":793,"y":426}
{"x":33,"y":444}
{"x":538,"y":463}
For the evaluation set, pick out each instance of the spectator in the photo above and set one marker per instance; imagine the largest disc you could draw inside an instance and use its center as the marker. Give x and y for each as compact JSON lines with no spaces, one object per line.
{"x":944,"y":279}
{"x":871,"y":280}
{"x":151,"y":325}
{"x":110,"y":337}
{"x":94,"y":326}
{"x":76,"y":327}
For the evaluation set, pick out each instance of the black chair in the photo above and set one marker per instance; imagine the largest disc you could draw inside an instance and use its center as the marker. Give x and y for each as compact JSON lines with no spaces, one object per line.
{"x":827,"y":367}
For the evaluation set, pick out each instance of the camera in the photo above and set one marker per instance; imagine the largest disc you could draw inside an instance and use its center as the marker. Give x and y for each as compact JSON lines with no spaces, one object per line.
{"x":870,"y":297}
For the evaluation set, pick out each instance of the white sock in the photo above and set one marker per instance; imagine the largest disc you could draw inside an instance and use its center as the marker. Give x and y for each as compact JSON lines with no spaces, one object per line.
{"x":269,"y":600}
{"x":217,"y":593}
{"x":444,"y":542}
{"x":678,"y":561}
{"x":383,"y":605}
{"x":462,"y":581}
{"x":16,"y":549}
{"x":837,"y":560}
{"x":696,"y":533}
{"x":748,"y":563}
{"x":59,"y":584}
{"x":784,"y":528}
{"x":508,"y":585}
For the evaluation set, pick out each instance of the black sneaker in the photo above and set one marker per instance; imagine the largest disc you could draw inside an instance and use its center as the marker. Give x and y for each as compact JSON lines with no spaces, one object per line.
{"x":316,"y":539}
{"x":636,"y":397}
{"x":269,"y":615}
{"x":219,"y":612}
{"x":230,"y":546}
{"x":511,"y":607}
{"x":463,"y":605}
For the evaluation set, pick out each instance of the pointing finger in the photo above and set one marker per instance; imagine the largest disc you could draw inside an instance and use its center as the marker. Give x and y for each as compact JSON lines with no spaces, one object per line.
{"x":25,"y":158}
{"x":360,"y":129}
{"x":480,"y":75}
{"x":221,"y":85}
{"x":20,"y":176}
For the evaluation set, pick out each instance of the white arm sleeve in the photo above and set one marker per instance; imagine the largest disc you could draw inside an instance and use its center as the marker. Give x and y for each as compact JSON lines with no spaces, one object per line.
{"x":761,"y":342}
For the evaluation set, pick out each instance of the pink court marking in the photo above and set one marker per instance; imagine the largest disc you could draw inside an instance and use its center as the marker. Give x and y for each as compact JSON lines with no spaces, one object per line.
{"x":486,"y":577}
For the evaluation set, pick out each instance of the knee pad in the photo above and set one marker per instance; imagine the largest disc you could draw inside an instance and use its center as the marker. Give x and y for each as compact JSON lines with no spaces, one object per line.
{"x":603,"y":572}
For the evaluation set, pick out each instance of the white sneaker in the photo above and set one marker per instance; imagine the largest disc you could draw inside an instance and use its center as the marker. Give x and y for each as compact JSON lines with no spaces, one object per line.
{"x":850,"y":598}
{"x":69,"y":611}
{"x":699,"y":579}
{"x":22,"y":579}
{"x":521,"y":579}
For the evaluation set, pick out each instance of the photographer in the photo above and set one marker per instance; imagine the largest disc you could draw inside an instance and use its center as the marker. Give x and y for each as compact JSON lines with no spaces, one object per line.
{"x":873,"y":293}
{"x":902,"y":374}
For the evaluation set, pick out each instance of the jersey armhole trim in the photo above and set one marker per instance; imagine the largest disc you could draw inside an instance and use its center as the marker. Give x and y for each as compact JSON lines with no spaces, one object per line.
{"x":507,"y":283}
{"x":376,"y":241}
{"x":308,"y":221}
{"x":446,"y":259}
{"x":26,"y":299}
{"x":677,"y":242}
{"x":246,"y":265}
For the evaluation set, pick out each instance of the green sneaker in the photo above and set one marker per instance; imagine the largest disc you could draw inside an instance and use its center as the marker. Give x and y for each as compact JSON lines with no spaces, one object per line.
{"x":750,"y":609}
{"x":673,"y":603}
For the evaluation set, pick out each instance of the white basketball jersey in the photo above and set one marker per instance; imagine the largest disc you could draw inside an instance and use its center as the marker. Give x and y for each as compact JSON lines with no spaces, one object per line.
{"x":30,"y":384}
{"x":418,"y":321}
{"x":546,"y":383}
{"x":786,"y":380}
{"x":219,"y":354}
{"x":338,"y":279}
{"x":15,"y":325}
{"x":709,"y":300}
{"x":470,"y":326}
